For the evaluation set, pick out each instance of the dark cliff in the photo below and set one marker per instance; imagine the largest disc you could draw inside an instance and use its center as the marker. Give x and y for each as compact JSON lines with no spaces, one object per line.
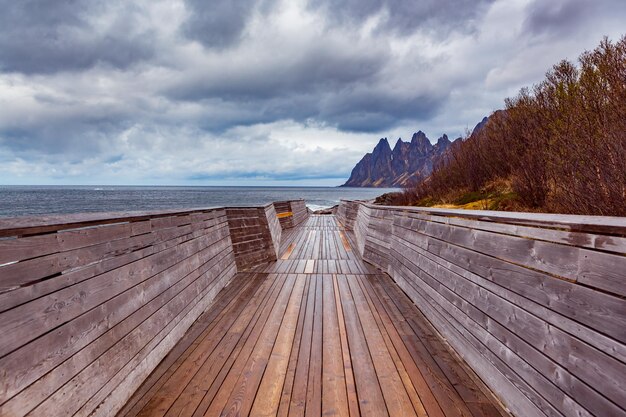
{"x":406,"y":164}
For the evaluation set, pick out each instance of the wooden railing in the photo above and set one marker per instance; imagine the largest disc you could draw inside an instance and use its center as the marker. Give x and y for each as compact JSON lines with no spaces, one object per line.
{"x":91,"y":303}
{"x":255,"y":234}
{"x":291,"y":213}
{"x":534,"y":303}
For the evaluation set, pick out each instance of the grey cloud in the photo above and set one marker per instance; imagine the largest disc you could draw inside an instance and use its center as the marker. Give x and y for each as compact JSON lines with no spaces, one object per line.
{"x":352,"y":110}
{"x":346,"y":85}
{"x":68,"y":137}
{"x":219,"y":23}
{"x":39,"y":36}
{"x":317,"y":68}
{"x":564,"y":17}
{"x":374,"y":110}
{"x":406,"y":16}
{"x":91,"y":84}
{"x":54,"y":144}
{"x":555,"y":17}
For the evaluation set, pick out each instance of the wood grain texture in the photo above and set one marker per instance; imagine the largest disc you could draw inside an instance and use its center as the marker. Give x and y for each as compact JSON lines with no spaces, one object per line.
{"x":534,"y":303}
{"x":527,"y":308}
{"x":91,"y":303}
{"x":291,"y":213}
{"x":305,"y":341}
{"x":255,"y":233}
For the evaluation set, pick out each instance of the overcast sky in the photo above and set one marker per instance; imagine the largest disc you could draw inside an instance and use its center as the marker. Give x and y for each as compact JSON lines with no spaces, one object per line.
{"x":261,"y":92}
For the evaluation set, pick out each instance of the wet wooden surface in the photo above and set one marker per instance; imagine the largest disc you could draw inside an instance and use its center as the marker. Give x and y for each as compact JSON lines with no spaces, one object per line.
{"x":317,"y":332}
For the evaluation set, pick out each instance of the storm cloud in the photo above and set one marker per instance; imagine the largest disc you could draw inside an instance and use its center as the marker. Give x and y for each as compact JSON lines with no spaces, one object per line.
{"x":405,"y":17}
{"x":261,"y":91}
{"x":46,"y":37}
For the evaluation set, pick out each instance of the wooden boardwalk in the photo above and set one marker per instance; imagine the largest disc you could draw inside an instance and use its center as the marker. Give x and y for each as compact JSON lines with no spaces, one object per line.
{"x":318,"y":332}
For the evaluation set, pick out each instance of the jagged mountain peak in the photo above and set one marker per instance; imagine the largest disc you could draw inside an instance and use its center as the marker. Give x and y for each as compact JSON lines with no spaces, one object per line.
{"x":382,"y":149}
{"x":383,"y":143}
{"x":421,"y":143}
{"x":480,"y":126}
{"x":406,"y":163}
{"x":400,"y":146}
{"x":419,"y":137}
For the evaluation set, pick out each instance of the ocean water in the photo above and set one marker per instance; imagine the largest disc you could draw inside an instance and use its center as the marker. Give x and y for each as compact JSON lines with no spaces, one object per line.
{"x":37,"y":200}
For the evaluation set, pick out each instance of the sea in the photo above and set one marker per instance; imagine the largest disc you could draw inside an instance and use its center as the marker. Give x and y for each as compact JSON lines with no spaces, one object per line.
{"x":40,"y":200}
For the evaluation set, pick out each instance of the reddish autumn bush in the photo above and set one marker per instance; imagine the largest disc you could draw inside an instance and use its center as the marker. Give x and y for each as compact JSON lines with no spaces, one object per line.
{"x":561,"y":144}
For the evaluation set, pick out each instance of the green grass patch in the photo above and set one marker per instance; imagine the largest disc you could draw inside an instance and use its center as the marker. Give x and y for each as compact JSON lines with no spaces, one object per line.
{"x":470,"y":197}
{"x":425,"y":202}
{"x":506,"y":201}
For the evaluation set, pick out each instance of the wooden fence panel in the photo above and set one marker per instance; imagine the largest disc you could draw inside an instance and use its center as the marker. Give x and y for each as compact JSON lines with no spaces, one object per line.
{"x":255,"y":233}
{"x":91,"y":303}
{"x":534,"y":303}
{"x":291,"y":213}
{"x":347,"y":212}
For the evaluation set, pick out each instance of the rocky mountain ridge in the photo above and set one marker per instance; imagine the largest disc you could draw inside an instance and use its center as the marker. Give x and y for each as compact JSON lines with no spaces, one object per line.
{"x":406,"y":164}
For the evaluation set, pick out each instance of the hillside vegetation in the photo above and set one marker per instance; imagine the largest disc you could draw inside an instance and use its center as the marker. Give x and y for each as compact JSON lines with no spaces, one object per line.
{"x":559,"y":146}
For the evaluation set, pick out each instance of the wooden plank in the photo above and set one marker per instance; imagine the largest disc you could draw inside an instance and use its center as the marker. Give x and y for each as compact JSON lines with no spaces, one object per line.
{"x":301,"y":265}
{"x":596,"y":269}
{"x":411,"y":376}
{"x":191,"y":344}
{"x":80,"y":265}
{"x":17,"y":249}
{"x":588,"y":240}
{"x":314,"y":390}
{"x":33,"y":225}
{"x":548,"y":371}
{"x":21,"y":295}
{"x":73,"y":394}
{"x":416,"y":338}
{"x":464,"y":384}
{"x":307,"y":246}
{"x":315,"y":244}
{"x":111,"y":396}
{"x":267,"y":397}
{"x":580,"y":223}
{"x":498,"y":377}
{"x":45,"y":353}
{"x":580,"y":303}
{"x":297,"y":406}
{"x":394,"y":391}
{"x":232,"y":350}
{"x":373,"y":403}
{"x":543,"y":297}
{"x":516,"y":364}
{"x":173,"y":382}
{"x":236,"y":393}
{"x":334,"y":394}
{"x":344,"y":241}
{"x":288,"y":387}
{"x":353,"y":403}
{"x":333,"y":250}
{"x":287,"y":253}
{"x":102,"y":237}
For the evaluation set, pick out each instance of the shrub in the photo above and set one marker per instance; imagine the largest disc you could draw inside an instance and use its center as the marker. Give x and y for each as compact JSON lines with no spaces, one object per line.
{"x":561,"y":143}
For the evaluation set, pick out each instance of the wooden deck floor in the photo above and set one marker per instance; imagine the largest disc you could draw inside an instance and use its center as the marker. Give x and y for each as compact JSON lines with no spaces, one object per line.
{"x":318,"y":332}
